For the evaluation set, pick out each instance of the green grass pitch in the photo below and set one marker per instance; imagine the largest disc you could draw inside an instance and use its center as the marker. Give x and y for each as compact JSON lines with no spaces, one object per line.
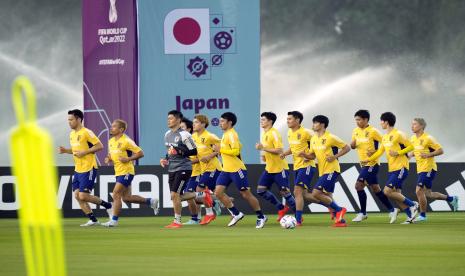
{"x":140,"y":246}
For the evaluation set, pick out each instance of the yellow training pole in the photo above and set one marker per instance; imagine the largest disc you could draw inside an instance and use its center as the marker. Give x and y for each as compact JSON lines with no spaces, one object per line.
{"x":33,"y":164}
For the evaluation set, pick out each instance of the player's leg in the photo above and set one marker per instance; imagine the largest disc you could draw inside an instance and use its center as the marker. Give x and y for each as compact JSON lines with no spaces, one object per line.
{"x":282,"y":180}
{"x":177,"y":181}
{"x":223,"y":181}
{"x":421,"y":197}
{"x":240,"y":179}
{"x":324,"y":187}
{"x":194,"y":209}
{"x":263,"y":190}
{"x":86,"y":186}
{"x":360,"y":185}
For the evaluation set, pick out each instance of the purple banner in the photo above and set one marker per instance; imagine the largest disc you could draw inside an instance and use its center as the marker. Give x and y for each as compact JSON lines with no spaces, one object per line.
{"x":109,"y":35}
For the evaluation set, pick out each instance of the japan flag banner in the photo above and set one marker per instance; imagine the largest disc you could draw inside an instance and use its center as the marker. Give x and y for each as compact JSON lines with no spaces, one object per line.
{"x":187,"y":31}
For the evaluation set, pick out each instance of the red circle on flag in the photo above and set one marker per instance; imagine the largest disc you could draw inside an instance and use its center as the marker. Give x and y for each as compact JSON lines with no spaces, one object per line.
{"x":186,"y":31}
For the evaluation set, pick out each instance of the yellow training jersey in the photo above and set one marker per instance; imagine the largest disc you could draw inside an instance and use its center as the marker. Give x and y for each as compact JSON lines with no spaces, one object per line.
{"x":204,"y":143}
{"x":230,"y":143}
{"x":299,"y":141}
{"x":272,"y":139}
{"x":326,"y":145}
{"x":424,"y":144}
{"x":196,"y":169}
{"x":123,"y":147}
{"x":80,"y":140}
{"x":395,"y":140}
{"x":367,"y":139}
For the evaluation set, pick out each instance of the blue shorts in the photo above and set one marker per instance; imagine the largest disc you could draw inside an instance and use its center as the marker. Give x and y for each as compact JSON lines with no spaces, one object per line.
{"x":282,"y":179}
{"x":192,"y":184}
{"x":396,"y":178}
{"x":239,"y":178}
{"x":125,"y":179}
{"x":425,"y":179}
{"x":303,"y":177}
{"x":208,"y":179}
{"x":369,"y":174}
{"x":326,"y":182}
{"x":84,"y":181}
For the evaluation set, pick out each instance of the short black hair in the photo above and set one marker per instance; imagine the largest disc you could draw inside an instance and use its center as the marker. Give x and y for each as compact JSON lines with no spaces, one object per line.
{"x":297,"y":115}
{"x":322,"y":119}
{"x":270,"y":116}
{"x":389,"y":117}
{"x":176,"y":113}
{"x":230,"y":117}
{"x":362,"y":113}
{"x":77,"y":114}
{"x":188,"y":123}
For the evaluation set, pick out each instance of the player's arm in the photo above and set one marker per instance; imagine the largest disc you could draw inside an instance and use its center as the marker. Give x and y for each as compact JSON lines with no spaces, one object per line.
{"x":96,"y":147}
{"x":62,"y":150}
{"x":437,"y":149}
{"x":108,"y":159}
{"x":215,"y":145}
{"x":234,"y":146}
{"x":260,"y":146}
{"x":374,"y":156}
{"x":344,"y":149}
{"x":307,"y":154}
{"x":353,"y":142}
{"x":285,"y":153}
{"x":408,"y":146}
{"x":188,"y":147}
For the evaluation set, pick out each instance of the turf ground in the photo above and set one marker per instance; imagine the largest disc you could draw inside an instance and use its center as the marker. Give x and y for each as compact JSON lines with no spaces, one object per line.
{"x":140,"y":246}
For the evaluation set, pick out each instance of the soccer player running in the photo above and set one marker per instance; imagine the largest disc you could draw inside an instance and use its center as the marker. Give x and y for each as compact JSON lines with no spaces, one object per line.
{"x":234,"y":171}
{"x":276,"y":169}
{"x":122,"y":151}
{"x":210,"y":166}
{"x":396,"y":145}
{"x":191,"y":186}
{"x":84,"y":145}
{"x":327,"y":148}
{"x":180,"y":146}
{"x":366,"y":139}
{"x":304,"y":169}
{"x":425,"y":149}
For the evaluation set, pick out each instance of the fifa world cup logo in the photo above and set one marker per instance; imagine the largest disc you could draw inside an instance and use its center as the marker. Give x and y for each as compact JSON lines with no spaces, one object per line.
{"x":113,"y":13}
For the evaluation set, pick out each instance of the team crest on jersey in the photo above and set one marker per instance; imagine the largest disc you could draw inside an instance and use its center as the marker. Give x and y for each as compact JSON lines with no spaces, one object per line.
{"x":119,"y":145}
{"x":203,"y":140}
{"x":391,"y":137}
{"x":323,"y":141}
{"x":78,"y":138}
{"x":299,"y":136}
{"x":366,"y":134}
{"x":176,"y":139}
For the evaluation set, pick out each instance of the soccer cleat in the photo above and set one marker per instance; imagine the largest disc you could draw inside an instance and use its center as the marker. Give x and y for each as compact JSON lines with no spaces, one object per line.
{"x":235,"y":219}
{"x":393,"y":215}
{"x":332,"y":214}
{"x":110,"y":223}
{"x":414,"y":210}
{"x":420,"y":219}
{"x":191,"y":222}
{"x":90,"y":223}
{"x":174,"y":225}
{"x":341,"y":223}
{"x":299,"y":224}
{"x":207,"y":219}
{"x":154,"y":205}
{"x":207,"y":200}
{"x":261,"y":222}
{"x":217,"y":207}
{"x":340,"y":215}
{"x":110,"y":212}
{"x":408,"y":221}
{"x":360,"y":217}
{"x":282,"y":213}
{"x":455,"y":203}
